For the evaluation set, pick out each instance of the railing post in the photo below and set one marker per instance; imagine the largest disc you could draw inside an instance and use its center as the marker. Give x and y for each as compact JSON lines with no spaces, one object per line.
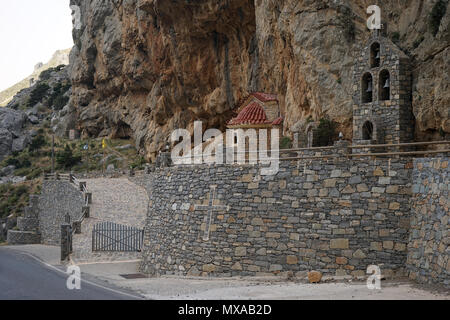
{"x":88,"y":198}
{"x":65,"y":241}
{"x":87,"y":211}
{"x":77,"y":227}
{"x":82,"y":186}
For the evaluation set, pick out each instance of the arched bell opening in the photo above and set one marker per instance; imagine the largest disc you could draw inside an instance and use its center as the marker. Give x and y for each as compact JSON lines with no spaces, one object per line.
{"x":384,"y":86}
{"x":367,"y":131}
{"x":367,"y":88}
{"x":375,"y":55}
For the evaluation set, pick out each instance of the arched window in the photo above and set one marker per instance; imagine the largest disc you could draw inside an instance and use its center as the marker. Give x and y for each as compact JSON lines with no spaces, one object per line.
{"x":367,"y":130}
{"x":384,"y":86}
{"x":367,"y":88}
{"x":375,"y":55}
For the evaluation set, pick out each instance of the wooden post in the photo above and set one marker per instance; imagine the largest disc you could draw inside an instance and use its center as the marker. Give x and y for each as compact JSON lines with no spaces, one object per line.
{"x":53,"y":153}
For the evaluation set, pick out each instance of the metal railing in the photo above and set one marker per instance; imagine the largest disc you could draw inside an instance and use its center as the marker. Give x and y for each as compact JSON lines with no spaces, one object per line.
{"x":347,"y":154}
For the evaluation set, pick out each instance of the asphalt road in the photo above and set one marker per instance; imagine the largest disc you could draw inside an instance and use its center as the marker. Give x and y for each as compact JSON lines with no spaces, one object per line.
{"x":24,"y":278}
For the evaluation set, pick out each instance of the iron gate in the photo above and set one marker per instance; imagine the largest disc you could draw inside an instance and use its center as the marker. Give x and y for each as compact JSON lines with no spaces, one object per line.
{"x":108,"y":236}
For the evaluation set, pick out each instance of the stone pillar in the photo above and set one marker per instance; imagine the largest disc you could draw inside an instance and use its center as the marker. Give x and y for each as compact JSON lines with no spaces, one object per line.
{"x":2,"y":230}
{"x":296,"y":144}
{"x":165,"y":159}
{"x":342,"y":147}
{"x":66,"y":234}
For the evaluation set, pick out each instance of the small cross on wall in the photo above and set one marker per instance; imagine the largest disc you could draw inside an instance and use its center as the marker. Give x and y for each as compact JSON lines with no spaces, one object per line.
{"x":211,"y":207}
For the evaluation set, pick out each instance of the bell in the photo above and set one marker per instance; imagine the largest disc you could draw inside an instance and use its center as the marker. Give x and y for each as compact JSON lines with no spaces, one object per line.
{"x":378,"y":55}
{"x":369,"y":87}
{"x":387,"y":84}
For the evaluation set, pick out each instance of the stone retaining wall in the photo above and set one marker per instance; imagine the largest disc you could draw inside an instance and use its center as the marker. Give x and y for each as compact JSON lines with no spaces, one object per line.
{"x":58,"y":199}
{"x":23,"y":237}
{"x":428,"y":249}
{"x":337,"y":217}
{"x":28,"y":225}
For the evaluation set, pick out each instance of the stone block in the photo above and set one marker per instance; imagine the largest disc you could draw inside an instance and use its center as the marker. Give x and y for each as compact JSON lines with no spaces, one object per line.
{"x":314,"y":276}
{"x":240,"y":251}
{"x":359,"y":254}
{"x":330,"y":183}
{"x":341,"y":260}
{"x":209,"y":268}
{"x":339,"y":244}
{"x":362,"y":187}
{"x":376,"y":246}
{"x":291,"y":260}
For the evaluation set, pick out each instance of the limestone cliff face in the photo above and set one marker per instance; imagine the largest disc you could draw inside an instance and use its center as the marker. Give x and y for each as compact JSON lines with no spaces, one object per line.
{"x":142,"y":68}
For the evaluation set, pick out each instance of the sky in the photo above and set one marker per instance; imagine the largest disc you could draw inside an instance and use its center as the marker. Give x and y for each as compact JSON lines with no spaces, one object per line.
{"x":30,"y":32}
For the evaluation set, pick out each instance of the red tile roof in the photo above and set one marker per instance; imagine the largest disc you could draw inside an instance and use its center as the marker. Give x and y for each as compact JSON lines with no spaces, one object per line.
{"x":264,"y":97}
{"x":251,"y":114}
{"x":277,"y":121}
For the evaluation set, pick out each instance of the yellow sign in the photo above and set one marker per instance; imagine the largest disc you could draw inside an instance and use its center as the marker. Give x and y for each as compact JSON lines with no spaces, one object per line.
{"x":104,"y":144}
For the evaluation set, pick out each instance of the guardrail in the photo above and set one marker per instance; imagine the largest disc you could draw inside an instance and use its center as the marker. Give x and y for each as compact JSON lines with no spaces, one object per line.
{"x":87,"y":201}
{"x":336,"y":155}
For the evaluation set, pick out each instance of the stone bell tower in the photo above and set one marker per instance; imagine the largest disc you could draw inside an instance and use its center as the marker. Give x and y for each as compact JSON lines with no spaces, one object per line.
{"x":382,"y":100}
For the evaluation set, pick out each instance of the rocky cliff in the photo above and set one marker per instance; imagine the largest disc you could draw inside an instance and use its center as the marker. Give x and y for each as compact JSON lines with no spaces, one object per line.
{"x":142,"y":68}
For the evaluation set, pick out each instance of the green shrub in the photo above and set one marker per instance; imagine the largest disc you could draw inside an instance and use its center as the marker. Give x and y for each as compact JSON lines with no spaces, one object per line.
{"x":20,"y":190}
{"x":66,"y":159}
{"x":37,"y":143}
{"x":60,"y":102}
{"x":436,"y":15}
{"x":46,"y":74}
{"x":325,"y":134}
{"x":38,"y":94}
{"x":57,"y":99}
{"x":22,"y":172}
{"x":395,"y":37}
{"x":285,"y":143}
{"x":36,"y":173}
{"x":19,"y":162}
{"x":138,"y":164}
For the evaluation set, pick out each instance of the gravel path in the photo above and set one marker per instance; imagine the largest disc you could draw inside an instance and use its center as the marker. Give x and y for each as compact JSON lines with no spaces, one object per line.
{"x":114,"y":200}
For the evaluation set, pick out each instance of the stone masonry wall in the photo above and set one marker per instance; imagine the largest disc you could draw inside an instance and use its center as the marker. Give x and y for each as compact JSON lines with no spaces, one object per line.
{"x":28,"y":226}
{"x":58,"y":198}
{"x":337,"y":217}
{"x":428,"y":249}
